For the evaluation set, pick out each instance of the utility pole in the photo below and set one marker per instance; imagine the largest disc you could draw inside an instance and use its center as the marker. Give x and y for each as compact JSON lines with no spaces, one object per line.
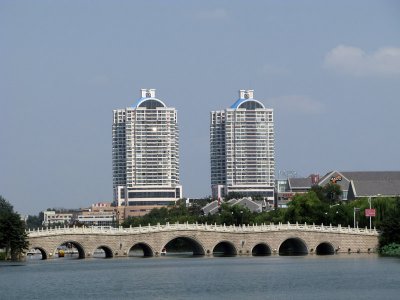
{"x":370,"y":218}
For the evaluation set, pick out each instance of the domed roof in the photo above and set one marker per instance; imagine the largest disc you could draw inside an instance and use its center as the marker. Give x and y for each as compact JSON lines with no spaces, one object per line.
{"x":150,"y":103}
{"x":247,"y":103}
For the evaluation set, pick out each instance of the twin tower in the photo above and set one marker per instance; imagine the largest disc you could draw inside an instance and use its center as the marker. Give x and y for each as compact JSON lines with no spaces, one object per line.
{"x":145,"y":152}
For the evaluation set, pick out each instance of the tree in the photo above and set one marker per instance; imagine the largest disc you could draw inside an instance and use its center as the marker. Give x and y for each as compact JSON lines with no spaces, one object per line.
{"x":390,"y":226}
{"x":33,"y":222}
{"x":13,"y":237}
{"x":306,"y":208}
{"x":330,"y":193}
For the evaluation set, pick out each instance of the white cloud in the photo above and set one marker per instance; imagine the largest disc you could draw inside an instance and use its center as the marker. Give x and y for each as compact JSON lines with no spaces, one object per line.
{"x":296,"y":104}
{"x":215,"y":14}
{"x":355,"y":61}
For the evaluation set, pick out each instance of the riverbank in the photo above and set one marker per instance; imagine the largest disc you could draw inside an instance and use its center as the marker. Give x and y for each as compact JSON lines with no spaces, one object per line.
{"x":392,"y":250}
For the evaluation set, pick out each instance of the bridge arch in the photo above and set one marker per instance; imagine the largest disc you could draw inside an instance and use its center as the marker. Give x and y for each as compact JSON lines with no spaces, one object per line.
{"x":141,"y":249}
{"x":224,"y":248}
{"x":293,"y":246}
{"x":261,"y":249}
{"x":325,"y":248}
{"x":73,"y":244}
{"x":108,"y":252}
{"x":185,"y":244}
{"x":43,"y":252}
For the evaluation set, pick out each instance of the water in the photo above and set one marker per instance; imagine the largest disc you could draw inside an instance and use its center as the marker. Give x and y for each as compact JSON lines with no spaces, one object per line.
{"x":173,"y":277}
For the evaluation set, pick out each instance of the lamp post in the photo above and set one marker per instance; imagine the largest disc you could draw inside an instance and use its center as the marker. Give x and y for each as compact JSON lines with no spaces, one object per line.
{"x":370,"y":218}
{"x":241,"y":217}
{"x":356,"y":209}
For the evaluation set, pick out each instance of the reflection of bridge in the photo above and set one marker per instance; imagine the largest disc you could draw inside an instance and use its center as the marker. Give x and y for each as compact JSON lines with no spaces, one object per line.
{"x":283,"y":239}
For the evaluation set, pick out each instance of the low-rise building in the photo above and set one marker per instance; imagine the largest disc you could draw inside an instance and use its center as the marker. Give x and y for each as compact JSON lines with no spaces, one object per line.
{"x":287,"y":188}
{"x":358,"y":184}
{"x":101,"y":214}
{"x":253,"y":205}
{"x":51,"y":217}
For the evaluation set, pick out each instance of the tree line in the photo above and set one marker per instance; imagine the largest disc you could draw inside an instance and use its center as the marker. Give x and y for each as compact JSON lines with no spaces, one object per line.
{"x":321,"y":205}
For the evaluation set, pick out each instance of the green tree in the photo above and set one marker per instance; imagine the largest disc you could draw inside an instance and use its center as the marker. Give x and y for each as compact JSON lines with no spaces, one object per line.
{"x":307,"y":208}
{"x":13,"y":237}
{"x":272,"y":216}
{"x":340,"y":214}
{"x":390,"y":226}
{"x":33,"y":222}
{"x":330,"y":193}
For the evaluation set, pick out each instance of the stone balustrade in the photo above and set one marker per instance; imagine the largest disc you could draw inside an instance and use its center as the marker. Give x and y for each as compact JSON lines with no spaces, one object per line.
{"x":203,"y":227}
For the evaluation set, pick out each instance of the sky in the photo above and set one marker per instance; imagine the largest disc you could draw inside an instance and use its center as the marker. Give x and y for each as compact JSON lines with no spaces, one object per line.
{"x":329,"y":69}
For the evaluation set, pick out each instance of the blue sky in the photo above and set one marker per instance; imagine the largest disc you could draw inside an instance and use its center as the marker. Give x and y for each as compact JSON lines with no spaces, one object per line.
{"x":329,"y":69}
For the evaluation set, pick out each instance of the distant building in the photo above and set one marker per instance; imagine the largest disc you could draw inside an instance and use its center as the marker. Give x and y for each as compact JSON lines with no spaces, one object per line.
{"x":365,"y":183}
{"x":51,"y":217}
{"x":242,"y":149}
{"x":287,"y":188}
{"x":99,"y":214}
{"x":254,"y":206}
{"x":145,"y":154}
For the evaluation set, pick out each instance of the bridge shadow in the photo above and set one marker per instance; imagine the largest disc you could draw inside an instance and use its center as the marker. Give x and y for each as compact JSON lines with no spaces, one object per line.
{"x":183,"y":247}
{"x":224,"y":249}
{"x":140,"y":250}
{"x":293,"y":247}
{"x":325,"y":248}
{"x":37,"y":253}
{"x":103,"y":252}
{"x":261,"y":250}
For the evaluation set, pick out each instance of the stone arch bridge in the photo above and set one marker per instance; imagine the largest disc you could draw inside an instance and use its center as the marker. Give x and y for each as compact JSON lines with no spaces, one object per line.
{"x":203,"y":239}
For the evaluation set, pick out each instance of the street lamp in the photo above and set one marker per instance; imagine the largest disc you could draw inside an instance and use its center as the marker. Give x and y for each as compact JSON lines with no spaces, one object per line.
{"x":370,"y":218}
{"x":356,"y":209}
{"x":241,"y":214}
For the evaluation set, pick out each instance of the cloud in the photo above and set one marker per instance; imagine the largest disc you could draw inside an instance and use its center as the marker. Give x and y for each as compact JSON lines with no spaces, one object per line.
{"x":355,"y":61}
{"x":215,"y":14}
{"x":296,"y":104}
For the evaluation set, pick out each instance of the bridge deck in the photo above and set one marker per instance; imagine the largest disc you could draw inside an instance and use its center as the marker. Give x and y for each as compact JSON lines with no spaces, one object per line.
{"x":203,"y":227}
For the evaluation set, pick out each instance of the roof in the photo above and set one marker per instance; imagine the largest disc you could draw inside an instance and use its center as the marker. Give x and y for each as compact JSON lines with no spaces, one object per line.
{"x":241,"y":101}
{"x":385,"y":183}
{"x":211,"y":208}
{"x":373,"y":175}
{"x":337,"y":177}
{"x":253,"y":206}
{"x":143,"y":99}
{"x":371,"y":183}
{"x":300,"y":182}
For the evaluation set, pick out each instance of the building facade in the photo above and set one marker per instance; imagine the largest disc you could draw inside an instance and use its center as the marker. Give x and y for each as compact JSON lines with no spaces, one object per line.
{"x":242,"y":149}
{"x":51,"y":217}
{"x":145,"y":154}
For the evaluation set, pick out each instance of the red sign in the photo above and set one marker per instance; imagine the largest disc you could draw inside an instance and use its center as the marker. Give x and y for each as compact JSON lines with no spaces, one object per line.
{"x":370,"y":212}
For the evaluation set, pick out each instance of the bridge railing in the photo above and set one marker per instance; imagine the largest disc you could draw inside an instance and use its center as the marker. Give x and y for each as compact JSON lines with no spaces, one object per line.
{"x":203,"y":227}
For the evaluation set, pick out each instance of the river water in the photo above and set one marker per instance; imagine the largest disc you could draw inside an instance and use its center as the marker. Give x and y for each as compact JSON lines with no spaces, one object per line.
{"x":354,"y":276}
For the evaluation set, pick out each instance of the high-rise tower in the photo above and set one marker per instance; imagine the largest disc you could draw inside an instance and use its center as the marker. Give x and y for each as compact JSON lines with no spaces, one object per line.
{"x":242,"y":148}
{"x":145,"y":153}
